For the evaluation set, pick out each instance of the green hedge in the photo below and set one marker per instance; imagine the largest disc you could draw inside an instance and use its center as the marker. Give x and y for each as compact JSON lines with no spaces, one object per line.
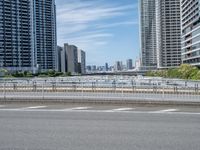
{"x":25,"y":74}
{"x":185,"y":71}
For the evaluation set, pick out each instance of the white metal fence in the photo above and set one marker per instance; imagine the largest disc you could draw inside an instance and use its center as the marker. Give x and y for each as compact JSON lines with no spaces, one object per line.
{"x":73,"y":90}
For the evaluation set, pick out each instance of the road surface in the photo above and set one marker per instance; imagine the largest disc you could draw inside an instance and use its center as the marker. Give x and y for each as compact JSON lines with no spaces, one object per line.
{"x":77,"y":127}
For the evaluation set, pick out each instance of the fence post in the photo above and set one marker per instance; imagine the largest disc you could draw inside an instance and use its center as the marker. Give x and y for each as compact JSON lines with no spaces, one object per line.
{"x":196,"y":88}
{"x":4,"y":90}
{"x":82,"y":90}
{"x":43,"y":90}
{"x":163,"y":93}
{"x":122,"y":90}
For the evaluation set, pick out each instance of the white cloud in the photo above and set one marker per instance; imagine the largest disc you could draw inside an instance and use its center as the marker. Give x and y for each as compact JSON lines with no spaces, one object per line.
{"x":90,"y":14}
{"x":86,"y":40}
{"x":80,"y":22}
{"x":125,"y":23}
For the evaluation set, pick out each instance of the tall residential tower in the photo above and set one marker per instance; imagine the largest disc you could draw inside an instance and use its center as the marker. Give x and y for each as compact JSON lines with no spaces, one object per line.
{"x":45,"y":34}
{"x":27,"y":35}
{"x":129,"y":64}
{"x":72,"y":58}
{"x":168,"y":33}
{"x":81,"y":61}
{"x":148,"y":33}
{"x":191,"y":31}
{"x":16,"y":35}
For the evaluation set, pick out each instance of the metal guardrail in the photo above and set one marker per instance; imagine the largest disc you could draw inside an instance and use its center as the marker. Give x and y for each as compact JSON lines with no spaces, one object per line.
{"x":97,"y":91}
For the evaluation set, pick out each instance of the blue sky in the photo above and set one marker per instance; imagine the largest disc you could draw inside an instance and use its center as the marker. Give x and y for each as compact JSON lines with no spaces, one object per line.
{"x":107,"y":30}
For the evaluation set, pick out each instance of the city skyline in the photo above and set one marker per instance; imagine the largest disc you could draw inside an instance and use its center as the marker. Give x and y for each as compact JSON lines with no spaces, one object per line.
{"x":106,"y":30}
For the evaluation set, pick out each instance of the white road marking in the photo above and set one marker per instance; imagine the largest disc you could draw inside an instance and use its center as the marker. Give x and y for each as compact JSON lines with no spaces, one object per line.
{"x":101,"y":111}
{"x":166,"y":110}
{"x":76,"y":109}
{"x":79,"y":108}
{"x":35,"y":107}
{"x":122,"y":109}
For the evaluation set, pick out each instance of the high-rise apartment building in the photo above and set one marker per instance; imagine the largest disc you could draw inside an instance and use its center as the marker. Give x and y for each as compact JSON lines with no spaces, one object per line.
{"x":148,"y":33}
{"x":27,"y":35}
{"x":63,"y":60}
{"x":106,"y":67}
{"x":129,"y":64}
{"x":72,"y":58}
{"x":81,"y":61}
{"x":44,"y":12}
{"x":168,"y":33}
{"x":93,"y":68}
{"x":59,"y":53}
{"x":118,"y":66}
{"x":16,"y":30}
{"x":160,"y":31}
{"x":190,"y":10}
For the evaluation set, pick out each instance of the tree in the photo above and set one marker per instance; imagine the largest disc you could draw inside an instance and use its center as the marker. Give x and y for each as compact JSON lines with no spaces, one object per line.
{"x":197,"y":76}
{"x":51,"y":73}
{"x":173,"y":73}
{"x":3,"y":72}
{"x":187,"y":71}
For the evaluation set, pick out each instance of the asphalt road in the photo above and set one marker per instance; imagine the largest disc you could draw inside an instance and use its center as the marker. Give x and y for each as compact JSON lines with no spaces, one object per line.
{"x":84,"y":130}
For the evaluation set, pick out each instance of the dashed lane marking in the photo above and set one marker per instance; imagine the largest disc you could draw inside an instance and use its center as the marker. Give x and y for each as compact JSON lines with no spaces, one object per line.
{"x":79,"y":108}
{"x":122,"y":109}
{"x":166,"y":111}
{"x":35,"y":107}
{"x":103,"y":111}
{"x":119,"y":110}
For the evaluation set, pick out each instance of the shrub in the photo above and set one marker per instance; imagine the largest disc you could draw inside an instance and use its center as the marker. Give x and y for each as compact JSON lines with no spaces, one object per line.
{"x":185,"y":71}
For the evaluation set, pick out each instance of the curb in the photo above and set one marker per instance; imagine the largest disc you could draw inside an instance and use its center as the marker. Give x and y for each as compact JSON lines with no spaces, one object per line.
{"x":103,"y":102}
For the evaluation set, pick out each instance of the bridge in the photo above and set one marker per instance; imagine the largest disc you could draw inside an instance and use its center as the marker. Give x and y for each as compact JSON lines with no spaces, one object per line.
{"x":128,"y":73}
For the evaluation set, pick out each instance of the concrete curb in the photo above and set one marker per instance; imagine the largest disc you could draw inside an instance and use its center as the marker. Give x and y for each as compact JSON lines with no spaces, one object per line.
{"x":105,"y":101}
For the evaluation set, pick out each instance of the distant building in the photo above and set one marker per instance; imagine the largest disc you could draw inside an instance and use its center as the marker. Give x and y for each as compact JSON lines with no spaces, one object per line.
{"x":58,"y":58}
{"x":137,"y":64}
{"x":93,"y":68}
{"x":81,"y":62}
{"x":64,"y":60}
{"x":129,"y":64}
{"x":72,"y":59}
{"x":101,"y":68}
{"x":118,"y":66}
{"x":71,"y":54}
{"x":106,"y":67}
{"x":88,"y":69}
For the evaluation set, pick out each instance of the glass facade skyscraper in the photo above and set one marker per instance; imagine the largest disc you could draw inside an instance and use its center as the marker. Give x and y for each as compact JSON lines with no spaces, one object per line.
{"x":148,"y":33}
{"x":160,"y":31}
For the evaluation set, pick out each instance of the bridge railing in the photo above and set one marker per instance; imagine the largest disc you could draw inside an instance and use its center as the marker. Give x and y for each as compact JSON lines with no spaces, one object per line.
{"x":94,"y":90}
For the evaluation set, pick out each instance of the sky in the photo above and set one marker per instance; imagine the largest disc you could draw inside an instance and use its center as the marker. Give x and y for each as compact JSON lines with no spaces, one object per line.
{"x":108,"y":30}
